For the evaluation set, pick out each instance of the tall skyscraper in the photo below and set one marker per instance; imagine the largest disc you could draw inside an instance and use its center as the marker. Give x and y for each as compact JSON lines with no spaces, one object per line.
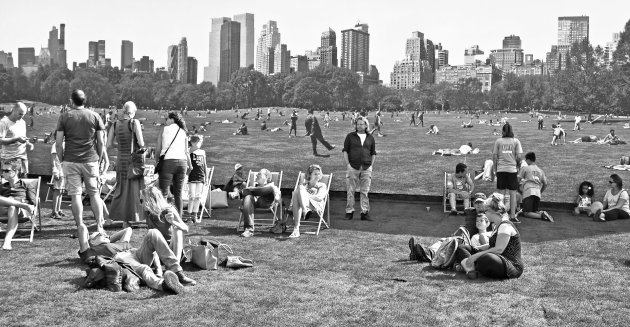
{"x":26,"y":57}
{"x":281,"y":59}
{"x":572,"y":29}
{"x":6,"y":60}
{"x":267,"y":41}
{"x":355,"y":48}
{"x":62,"y":55}
{"x":126,"y":55}
{"x":53,"y":46}
{"x":92,"y":54}
{"x":328,"y":48}
{"x":230,"y":49}
{"x":44,"y":58}
{"x":418,"y":65}
{"x":182,"y":60}
{"x":101,"y":53}
{"x":247,"y":38}
{"x":192,"y":70}
{"x":144,"y":65}
{"x":171,"y":62}
{"x":212,"y":71}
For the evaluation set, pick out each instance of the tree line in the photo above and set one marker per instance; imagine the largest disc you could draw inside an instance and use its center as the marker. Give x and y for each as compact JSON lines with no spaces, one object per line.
{"x":589,"y":83}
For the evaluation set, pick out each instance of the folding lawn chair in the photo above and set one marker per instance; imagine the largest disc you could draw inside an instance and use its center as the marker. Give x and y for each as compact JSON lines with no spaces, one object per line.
{"x":36,"y":216}
{"x":276,"y":207}
{"x":445,"y":201}
{"x":204,"y":192}
{"x":326,"y":179}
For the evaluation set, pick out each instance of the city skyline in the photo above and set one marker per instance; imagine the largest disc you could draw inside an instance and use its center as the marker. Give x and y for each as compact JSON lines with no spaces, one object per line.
{"x":454,"y":24}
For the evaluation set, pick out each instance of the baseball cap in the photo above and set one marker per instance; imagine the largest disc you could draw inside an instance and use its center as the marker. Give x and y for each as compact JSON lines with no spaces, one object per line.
{"x":238,"y":166}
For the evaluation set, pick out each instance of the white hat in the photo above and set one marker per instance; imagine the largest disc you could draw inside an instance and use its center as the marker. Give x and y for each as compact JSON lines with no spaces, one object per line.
{"x":238,"y":166}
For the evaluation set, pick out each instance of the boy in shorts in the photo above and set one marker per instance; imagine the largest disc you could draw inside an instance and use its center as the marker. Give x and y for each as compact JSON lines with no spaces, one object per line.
{"x":58,"y":181}
{"x":533,"y":182}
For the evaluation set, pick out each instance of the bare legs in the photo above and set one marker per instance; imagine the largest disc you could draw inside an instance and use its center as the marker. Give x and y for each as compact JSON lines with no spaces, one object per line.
{"x":300,"y":203}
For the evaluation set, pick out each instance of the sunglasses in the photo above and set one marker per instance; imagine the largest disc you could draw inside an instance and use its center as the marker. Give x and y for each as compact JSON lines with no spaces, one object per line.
{"x":6,"y":170}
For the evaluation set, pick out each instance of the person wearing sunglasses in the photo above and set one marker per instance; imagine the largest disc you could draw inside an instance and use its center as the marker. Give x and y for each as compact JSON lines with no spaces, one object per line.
{"x":16,"y":197}
{"x":615,"y":204}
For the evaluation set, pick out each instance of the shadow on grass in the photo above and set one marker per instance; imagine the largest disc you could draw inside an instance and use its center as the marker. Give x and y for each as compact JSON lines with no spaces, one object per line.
{"x":65,"y":263}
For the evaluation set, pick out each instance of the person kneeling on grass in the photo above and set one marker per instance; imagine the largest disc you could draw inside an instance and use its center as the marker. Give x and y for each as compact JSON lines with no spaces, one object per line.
{"x":533,"y":182}
{"x":17,"y":199}
{"x":433,"y":130}
{"x":139,"y":259}
{"x":501,"y":257}
{"x":262,"y":195}
{"x":164,"y":217}
{"x":309,"y":197}
{"x":461,"y":185}
{"x":615,"y":203}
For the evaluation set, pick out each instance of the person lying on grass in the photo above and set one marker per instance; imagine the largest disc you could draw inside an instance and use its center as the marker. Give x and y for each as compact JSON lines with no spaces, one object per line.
{"x":533,"y":182}
{"x":263,"y":195}
{"x":584,"y":199}
{"x":163,"y":217}
{"x":615,"y":203}
{"x":309,"y":197}
{"x":17,"y":198}
{"x":139,"y":259}
{"x":501,"y":257}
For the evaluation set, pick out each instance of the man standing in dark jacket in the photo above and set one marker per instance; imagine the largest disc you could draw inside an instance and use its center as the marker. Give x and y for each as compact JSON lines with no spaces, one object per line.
{"x":359,"y":152}
{"x":313,"y":129}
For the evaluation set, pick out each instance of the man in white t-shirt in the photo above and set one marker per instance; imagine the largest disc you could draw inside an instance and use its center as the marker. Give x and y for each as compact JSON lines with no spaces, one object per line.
{"x":13,"y":137}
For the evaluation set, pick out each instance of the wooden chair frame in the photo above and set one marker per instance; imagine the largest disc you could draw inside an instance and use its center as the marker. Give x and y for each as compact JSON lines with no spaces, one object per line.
{"x":326,"y":179}
{"x":275,"y":209}
{"x":37,"y":214}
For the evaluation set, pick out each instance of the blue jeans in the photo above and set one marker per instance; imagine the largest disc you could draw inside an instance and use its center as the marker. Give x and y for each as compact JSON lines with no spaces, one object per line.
{"x":174,"y":173}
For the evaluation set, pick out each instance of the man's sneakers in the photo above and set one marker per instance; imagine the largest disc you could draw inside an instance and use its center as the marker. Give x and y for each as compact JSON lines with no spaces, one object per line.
{"x":171,"y":283}
{"x":546,"y":216}
{"x":366,"y":216}
{"x":418,"y":251}
{"x":349,"y":215}
{"x":247,"y":233}
{"x":185,"y":280}
{"x":412,"y":249}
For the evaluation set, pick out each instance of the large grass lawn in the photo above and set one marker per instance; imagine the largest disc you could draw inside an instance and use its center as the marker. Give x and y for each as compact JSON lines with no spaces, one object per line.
{"x":404,"y":163}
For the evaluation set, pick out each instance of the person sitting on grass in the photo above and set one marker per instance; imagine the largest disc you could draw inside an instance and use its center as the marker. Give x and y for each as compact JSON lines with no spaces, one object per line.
{"x":469,"y":124}
{"x":612,"y":139}
{"x":139,"y":259}
{"x":615,"y":203}
{"x":17,"y":199}
{"x":558,"y":134}
{"x":584,"y":198}
{"x":262,"y":195}
{"x":461,"y":186}
{"x":433,"y":130}
{"x":164,"y":217}
{"x":309,"y":197}
{"x":533,"y":182}
{"x":501,"y":257}
{"x":241,"y":130}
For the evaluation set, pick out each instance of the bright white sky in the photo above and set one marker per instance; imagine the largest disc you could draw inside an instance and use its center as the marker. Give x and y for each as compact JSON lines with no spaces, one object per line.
{"x":153,"y":25}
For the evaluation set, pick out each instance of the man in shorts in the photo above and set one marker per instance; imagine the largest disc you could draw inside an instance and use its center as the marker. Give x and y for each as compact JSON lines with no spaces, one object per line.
{"x":82,"y":131}
{"x":17,"y":199}
{"x":13,"y":137}
{"x":533,"y":182}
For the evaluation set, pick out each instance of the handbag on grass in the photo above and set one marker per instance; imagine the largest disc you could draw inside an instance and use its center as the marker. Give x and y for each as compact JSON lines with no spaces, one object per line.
{"x":135,"y":169}
{"x":160,"y":163}
{"x":206,"y":254}
{"x":218,"y":199}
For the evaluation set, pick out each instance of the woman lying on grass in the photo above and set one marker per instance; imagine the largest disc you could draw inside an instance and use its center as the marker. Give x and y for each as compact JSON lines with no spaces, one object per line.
{"x":164,"y":217}
{"x":501,"y":257}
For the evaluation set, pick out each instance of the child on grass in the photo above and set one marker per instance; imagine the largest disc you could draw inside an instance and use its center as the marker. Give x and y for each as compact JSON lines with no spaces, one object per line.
{"x":197,"y":177}
{"x":58,"y":180}
{"x":584,"y":198}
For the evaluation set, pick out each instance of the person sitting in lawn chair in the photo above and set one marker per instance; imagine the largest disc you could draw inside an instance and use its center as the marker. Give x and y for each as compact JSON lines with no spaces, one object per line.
{"x":17,"y":198}
{"x":308,"y":198}
{"x":236,"y":183}
{"x":139,"y":259}
{"x":262,"y":195}
{"x":461,"y":186}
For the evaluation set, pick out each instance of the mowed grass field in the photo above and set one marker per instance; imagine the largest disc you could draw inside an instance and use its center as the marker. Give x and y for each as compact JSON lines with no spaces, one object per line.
{"x":357,"y":273}
{"x":404,"y":164}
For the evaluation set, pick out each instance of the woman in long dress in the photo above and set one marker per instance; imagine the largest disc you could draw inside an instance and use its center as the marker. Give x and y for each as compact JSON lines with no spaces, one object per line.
{"x":125,"y":204}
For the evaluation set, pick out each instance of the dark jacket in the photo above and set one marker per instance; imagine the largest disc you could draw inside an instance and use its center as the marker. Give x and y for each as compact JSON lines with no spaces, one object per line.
{"x":359,"y":156}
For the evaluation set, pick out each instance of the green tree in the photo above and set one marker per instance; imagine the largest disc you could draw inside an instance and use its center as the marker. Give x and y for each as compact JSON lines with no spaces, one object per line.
{"x":98,"y":90}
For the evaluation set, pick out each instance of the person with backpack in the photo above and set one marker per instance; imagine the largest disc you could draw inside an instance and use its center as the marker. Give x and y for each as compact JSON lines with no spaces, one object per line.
{"x":501,"y":257}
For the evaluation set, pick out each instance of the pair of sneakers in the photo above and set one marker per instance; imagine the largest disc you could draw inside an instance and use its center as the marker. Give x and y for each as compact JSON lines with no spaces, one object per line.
{"x":57,"y":215}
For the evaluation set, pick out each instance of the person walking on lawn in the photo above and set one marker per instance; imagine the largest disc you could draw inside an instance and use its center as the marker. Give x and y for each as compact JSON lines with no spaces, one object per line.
{"x":315,"y":132}
{"x":359,"y":153}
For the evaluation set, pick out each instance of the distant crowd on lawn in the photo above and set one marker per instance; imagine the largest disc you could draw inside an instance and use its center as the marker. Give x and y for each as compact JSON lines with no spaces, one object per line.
{"x":80,"y":164}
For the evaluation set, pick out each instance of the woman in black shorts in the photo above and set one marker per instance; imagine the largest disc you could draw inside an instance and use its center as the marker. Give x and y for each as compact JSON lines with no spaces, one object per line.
{"x":507,"y":153}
